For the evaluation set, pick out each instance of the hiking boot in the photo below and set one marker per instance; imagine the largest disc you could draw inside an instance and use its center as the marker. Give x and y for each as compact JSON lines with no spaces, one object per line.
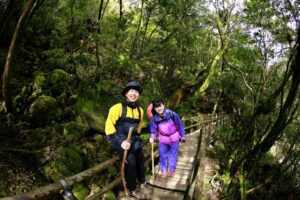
{"x":137,"y":195}
{"x":146,"y":188}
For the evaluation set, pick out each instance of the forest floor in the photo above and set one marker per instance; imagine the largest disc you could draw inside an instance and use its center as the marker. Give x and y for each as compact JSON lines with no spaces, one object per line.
{"x":209,"y":191}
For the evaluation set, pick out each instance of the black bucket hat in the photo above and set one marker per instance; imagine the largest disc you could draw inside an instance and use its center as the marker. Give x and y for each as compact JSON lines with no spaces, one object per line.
{"x":133,"y":85}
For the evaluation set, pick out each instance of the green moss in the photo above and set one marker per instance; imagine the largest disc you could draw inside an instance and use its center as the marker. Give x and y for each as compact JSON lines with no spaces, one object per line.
{"x":112,"y":171}
{"x":68,"y":162}
{"x":80,"y":191}
{"x":40,"y":83}
{"x":51,"y":172}
{"x":73,"y":131}
{"x":59,"y":75}
{"x":43,"y":110}
{"x":89,"y":148}
{"x":93,"y":109}
{"x":71,"y":159}
{"x":109,"y":196}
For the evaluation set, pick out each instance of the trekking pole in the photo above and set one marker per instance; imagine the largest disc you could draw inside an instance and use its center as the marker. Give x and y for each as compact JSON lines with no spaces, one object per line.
{"x":124,"y":162}
{"x":152,"y":157}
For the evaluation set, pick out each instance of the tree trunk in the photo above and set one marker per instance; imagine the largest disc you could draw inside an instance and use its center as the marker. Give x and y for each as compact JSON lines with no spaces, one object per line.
{"x":222,"y":46}
{"x":135,"y":39}
{"x":99,"y":32}
{"x":10,"y":55}
{"x":183,"y":91}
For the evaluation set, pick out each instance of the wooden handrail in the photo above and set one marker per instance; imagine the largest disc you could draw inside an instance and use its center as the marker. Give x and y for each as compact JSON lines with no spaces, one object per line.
{"x":57,"y":187}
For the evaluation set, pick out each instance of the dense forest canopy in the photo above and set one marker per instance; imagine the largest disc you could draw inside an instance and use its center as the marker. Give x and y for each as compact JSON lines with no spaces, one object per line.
{"x":64,"y":63}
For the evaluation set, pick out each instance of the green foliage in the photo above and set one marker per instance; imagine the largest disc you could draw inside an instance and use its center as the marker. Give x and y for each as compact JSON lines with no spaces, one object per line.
{"x":56,"y":59}
{"x":225,"y":143}
{"x":144,"y":136}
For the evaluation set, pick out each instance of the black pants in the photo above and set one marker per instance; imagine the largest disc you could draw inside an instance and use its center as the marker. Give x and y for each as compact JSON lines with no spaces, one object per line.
{"x":134,"y":168}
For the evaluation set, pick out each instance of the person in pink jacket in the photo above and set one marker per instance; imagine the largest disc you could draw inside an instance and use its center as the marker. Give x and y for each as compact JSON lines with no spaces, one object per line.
{"x":167,"y":128}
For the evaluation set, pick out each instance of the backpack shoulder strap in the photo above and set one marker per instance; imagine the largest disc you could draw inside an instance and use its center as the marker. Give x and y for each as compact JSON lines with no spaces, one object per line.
{"x":172,"y":115}
{"x":155,"y":120}
{"x":124,"y":111}
{"x":123,"y":114}
{"x":139,"y":110}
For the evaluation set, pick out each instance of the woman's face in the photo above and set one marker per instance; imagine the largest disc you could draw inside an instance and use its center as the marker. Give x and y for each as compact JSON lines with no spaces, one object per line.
{"x":160,"y":109}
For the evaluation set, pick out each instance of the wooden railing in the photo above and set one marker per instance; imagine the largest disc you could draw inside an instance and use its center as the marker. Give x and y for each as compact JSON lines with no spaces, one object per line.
{"x":195,"y":122}
{"x":207,"y":131}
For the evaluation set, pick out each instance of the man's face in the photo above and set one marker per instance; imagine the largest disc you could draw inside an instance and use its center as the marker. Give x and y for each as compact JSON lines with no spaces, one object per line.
{"x":132,"y":95}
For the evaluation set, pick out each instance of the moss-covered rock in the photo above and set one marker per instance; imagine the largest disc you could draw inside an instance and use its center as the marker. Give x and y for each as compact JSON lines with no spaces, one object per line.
{"x":68,"y":162}
{"x":90,"y":149}
{"x":94,"y":189}
{"x":51,"y":172}
{"x":73,"y":131}
{"x":93,"y":111}
{"x":109,"y":196}
{"x":80,"y":191}
{"x":40,"y":82}
{"x":59,"y":75}
{"x":42,"y":109}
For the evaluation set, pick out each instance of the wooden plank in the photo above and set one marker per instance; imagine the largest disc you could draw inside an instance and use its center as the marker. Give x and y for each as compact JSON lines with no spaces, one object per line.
{"x":187,"y":151}
{"x":179,"y":173}
{"x":170,"y":183}
{"x":159,"y":194}
{"x":184,"y":165}
{"x":192,"y":136}
{"x":186,"y":159}
{"x":186,"y":154}
{"x":188,"y":148}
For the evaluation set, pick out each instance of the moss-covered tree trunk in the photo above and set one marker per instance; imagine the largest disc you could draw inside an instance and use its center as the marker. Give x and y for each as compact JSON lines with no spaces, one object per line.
{"x":222,"y":46}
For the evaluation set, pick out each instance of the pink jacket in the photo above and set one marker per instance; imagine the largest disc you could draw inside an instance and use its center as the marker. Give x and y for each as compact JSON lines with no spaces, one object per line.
{"x":168,"y":129}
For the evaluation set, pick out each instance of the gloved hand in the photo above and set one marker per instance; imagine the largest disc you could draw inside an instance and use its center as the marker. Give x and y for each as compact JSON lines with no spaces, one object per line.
{"x":125,"y":145}
{"x":183,"y":140}
{"x":151,"y":140}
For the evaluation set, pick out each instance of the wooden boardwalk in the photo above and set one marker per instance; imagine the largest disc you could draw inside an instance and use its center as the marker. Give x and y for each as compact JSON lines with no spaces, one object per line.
{"x":184,"y":185}
{"x":176,"y":187}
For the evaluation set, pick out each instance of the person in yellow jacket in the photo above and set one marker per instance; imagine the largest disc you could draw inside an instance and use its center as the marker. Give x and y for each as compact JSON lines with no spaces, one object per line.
{"x":120,"y":118}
